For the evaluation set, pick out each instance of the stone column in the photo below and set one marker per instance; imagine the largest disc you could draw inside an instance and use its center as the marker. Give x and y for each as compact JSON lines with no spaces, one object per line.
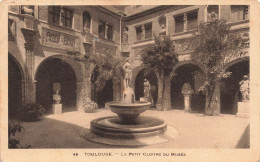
{"x":143,"y":32}
{"x":29,"y":82}
{"x":80,"y":96}
{"x":185,"y":20}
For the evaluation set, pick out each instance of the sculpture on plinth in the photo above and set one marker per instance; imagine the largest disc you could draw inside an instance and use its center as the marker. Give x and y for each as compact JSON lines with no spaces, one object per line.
{"x":147,"y":88}
{"x":187,"y":92}
{"x":243,"y":107}
{"x":56,"y":95}
{"x":244,"y":88}
{"x":56,"y":106}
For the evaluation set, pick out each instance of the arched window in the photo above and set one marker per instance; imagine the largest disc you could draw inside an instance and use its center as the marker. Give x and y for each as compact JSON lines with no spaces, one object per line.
{"x":86,"y":22}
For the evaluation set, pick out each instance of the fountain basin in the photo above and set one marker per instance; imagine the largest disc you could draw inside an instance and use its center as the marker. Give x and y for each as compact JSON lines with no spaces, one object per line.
{"x":129,"y":112}
{"x":109,"y":130}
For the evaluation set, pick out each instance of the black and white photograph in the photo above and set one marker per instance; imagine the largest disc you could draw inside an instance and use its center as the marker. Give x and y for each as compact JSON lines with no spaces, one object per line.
{"x":127,"y":78}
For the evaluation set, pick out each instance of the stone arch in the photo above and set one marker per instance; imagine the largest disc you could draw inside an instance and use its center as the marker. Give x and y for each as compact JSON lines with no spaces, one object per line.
{"x":229,"y":64}
{"x":187,"y":72}
{"x":230,"y":89}
{"x":64,"y":71}
{"x":138,"y":80}
{"x":19,"y":63}
{"x":105,"y":95}
{"x":179,"y":64}
{"x":76,"y":66}
{"x":136,"y":71}
{"x":15,"y":86}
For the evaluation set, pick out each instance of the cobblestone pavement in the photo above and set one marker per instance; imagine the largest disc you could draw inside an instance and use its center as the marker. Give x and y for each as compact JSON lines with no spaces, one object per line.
{"x":195,"y":130}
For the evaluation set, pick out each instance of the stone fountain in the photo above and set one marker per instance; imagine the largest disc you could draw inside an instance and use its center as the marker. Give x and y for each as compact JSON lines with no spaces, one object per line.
{"x":128,"y":128}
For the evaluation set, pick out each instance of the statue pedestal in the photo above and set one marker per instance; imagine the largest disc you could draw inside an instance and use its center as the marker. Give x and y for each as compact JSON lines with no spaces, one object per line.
{"x":56,"y":108}
{"x":243,"y":109}
{"x":187,"y":102}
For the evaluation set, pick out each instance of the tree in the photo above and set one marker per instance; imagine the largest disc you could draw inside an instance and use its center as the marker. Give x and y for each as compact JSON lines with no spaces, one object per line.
{"x":212,"y":44}
{"x":106,"y":66}
{"x":160,"y":57}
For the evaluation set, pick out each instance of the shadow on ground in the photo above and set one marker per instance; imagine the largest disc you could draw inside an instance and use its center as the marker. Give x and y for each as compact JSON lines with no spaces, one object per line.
{"x":63,"y":135}
{"x":244,"y":141}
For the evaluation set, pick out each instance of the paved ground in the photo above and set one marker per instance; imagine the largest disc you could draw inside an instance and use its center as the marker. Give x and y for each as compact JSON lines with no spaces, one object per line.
{"x":194,"y":130}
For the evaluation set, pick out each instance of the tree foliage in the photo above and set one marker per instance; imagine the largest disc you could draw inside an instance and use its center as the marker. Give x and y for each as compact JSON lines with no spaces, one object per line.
{"x":212,"y":44}
{"x":107,"y":66}
{"x":160,"y":56}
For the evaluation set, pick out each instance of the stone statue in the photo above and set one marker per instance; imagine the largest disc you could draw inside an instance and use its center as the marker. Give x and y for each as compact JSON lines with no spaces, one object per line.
{"x":128,"y":73}
{"x":125,"y":35}
{"x":56,"y":95}
{"x":86,"y":27}
{"x":187,"y":92}
{"x":147,"y":89}
{"x":163,"y":29}
{"x":244,"y":88}
{"x":28,"y":10}
{"x":186,"y":89}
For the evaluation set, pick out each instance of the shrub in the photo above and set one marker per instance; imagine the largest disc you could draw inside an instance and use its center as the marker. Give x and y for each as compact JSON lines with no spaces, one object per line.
{"x":13,"y":128}
{"x":89,"y":106}
{"x":32,"y":112}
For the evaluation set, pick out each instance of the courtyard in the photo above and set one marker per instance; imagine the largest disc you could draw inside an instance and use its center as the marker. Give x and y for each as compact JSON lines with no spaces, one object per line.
{"x":185,"y":130}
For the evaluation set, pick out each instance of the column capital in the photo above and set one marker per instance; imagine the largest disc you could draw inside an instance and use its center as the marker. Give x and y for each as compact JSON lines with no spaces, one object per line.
{"x":29,"y":36}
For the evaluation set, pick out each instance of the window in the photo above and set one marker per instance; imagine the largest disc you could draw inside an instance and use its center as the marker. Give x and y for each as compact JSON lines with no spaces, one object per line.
{"x":66,"y":17}
{"x":86,"y":22}
{"x":54,"y":15}
{"x":105,"y":30}
{"x":148,"y":31}
{"x":239,"y":12}
{"x":109,"y":32}
{"x":101,"y":29}
{"x":179,"y":23}
{"x":60,"y":16}
{"x":186,"y":21}
{"x":192,"y":19}
{"x":138,"y":33}
{"x":144,"y":32}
